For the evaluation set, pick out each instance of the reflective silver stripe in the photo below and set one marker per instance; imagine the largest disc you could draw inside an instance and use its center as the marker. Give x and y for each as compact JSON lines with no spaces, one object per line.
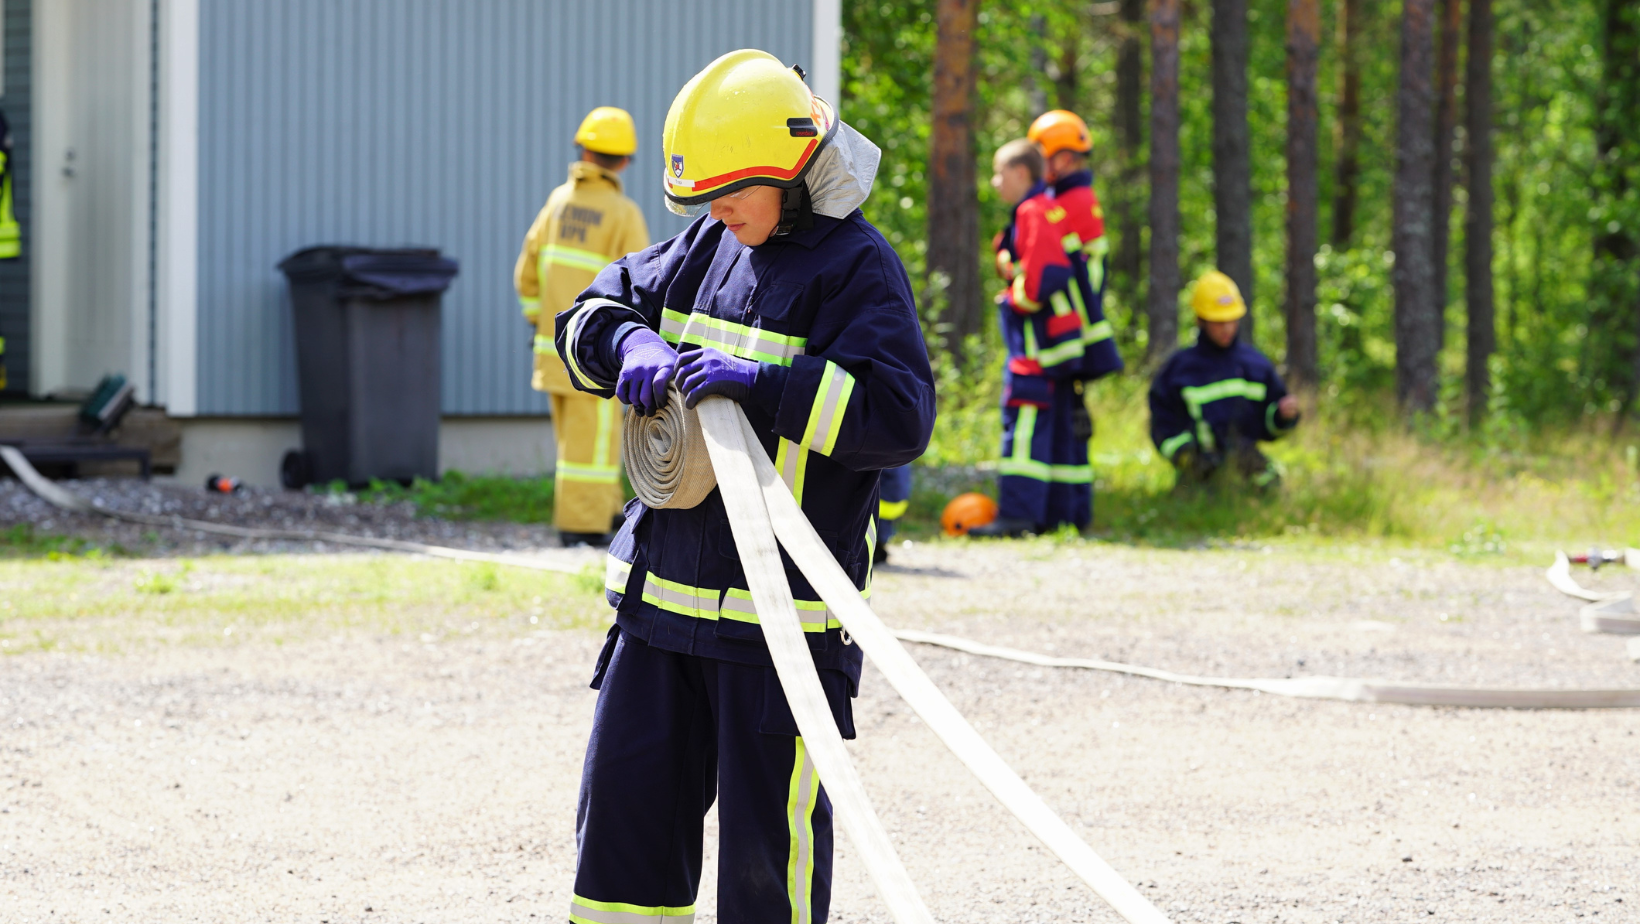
{"x":800,"y":802}
{"x":812,"y":615}
{"x":826,"y":416}
{"x":616,"y":573}
{"x":699,"y":602}
{"x":735,"y":339}
{"x":583,"y":911}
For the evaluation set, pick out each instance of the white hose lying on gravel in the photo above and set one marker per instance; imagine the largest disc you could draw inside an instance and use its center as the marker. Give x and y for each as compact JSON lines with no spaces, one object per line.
{"x":63,"y":499}
{"x":1606,"y":612}
{"x":1339,"y":688}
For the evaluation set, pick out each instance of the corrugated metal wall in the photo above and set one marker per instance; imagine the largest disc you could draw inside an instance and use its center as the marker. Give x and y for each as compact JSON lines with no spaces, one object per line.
{"x":17,"y":105}
{"x":446,"y":122}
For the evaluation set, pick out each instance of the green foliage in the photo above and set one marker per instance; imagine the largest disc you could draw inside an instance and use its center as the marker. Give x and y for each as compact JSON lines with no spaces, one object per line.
{"x":1565,"y":322}
{"x":457,"y":496}
{"x":23,"y":541}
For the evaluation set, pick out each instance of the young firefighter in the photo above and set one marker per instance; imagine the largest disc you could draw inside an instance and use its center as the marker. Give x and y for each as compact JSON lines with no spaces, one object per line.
{"x":1054,"y":326}
{"x":586,"y":224}
{"x":786,"y":300}
{"x":1211,"y":404}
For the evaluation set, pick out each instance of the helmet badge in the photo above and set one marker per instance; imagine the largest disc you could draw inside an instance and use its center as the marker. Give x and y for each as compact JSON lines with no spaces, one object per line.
{"x":677,"y":166}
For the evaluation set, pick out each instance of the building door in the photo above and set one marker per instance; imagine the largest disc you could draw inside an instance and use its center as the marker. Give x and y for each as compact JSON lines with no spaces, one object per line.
{"x":92,"y":308}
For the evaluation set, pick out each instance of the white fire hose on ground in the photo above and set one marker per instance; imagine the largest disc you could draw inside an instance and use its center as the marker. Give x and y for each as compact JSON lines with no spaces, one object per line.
{"x":1614,"y":612}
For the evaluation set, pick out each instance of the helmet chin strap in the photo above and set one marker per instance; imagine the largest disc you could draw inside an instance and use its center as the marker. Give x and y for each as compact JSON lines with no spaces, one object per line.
{"x":796,"y":210}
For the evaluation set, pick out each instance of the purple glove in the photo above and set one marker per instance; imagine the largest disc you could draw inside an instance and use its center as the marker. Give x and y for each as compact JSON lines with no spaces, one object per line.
{"x":647,"y":364}
{"x":713,"y":372}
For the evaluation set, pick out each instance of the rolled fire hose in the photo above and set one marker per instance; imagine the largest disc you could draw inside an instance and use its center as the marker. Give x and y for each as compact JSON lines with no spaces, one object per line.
{"x":1614,"y":613}
{"x":757,"y":516}
{"x":67,"y":500}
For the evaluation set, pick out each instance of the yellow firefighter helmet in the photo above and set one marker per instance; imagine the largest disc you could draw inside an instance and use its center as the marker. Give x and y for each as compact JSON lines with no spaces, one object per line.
{"x":1216,"y":298}
{"x":746,"y":120}
{"x":607,"y":130}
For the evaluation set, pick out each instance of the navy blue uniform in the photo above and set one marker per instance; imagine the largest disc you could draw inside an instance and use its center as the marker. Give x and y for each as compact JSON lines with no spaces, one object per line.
{"x":893,"y":500}
{"x":1209,"y":405}
{"x":843,"y":391}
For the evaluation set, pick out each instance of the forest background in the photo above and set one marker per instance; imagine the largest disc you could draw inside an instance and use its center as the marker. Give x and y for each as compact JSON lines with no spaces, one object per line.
{"x":1529,"y":433}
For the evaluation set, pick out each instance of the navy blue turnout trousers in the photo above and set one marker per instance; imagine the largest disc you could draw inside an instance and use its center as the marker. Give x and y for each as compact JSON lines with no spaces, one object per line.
{"x":670,"y":733}
{"x":1044,"y":475}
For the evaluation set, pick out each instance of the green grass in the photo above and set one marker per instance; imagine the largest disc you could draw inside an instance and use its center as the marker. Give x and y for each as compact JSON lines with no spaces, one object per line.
{"x":458,"y":496}
{"x":24,"y":541}
{"x":108,"y":605}
{"x":1351,"y":474}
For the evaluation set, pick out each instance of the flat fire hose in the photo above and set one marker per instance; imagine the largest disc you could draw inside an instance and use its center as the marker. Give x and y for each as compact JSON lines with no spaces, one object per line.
{"x":1613,"y":612}
{"x":757,"y":518}
{"x":67,"y":500}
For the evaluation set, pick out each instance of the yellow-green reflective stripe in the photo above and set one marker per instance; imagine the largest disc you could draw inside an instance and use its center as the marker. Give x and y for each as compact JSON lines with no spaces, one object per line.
{"x":1170,"y":446}
{"x":543,"y":344}
{"x":594,"y":474}
{"x":737,"y":339}
{"x":1098,"y":331}
{"x":1042,"y":471}
{"x":1198,"y":395}
{"x":576,"y":322}
{"x":699,"y":602}
{"x":616,"y":573}
{"x":530,"y":306}
{"x":1097,"y":247}
{"x":1072,"y":242}
{"x":587,"y":911}
{"x":800,"y":802}
{"x":573,"y":258}
{"x":1081,"y":305}
{"x":826,"y":415}
{"x":738,"y":606}
{"x":1060,"y":305}
{"x":792,"y":461}
{"x":892,"y":510}
{"x":1270,"y":424}
{"x":1063,"y":352}
{"x":1030,"y":341}
{"x":1024,"y":433}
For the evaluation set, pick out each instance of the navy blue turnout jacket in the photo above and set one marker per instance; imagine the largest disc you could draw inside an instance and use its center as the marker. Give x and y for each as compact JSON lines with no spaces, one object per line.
{"x":1208,"y":397}
{"x":843,"y":391}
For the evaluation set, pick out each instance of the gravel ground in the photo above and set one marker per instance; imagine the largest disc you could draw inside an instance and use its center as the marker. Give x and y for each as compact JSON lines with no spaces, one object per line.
{"x":391,"y":779}
{"x":262,"y":508}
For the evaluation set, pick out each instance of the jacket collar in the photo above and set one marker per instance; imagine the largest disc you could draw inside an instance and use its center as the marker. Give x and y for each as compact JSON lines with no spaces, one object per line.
{"x":1206,"y":344}
{"x":809,"y":238}
{"x":1073,"y":181}
{"x":584,"y":171}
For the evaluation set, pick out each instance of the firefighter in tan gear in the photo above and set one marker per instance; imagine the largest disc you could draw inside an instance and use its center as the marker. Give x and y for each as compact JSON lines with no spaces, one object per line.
{"x":586,"y":224}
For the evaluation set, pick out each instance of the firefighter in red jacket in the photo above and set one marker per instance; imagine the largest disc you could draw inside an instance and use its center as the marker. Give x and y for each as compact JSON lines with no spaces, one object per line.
{"x":1054,"y":326}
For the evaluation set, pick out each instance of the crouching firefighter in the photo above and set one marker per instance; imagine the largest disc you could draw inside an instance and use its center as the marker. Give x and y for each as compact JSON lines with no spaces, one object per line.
{"x":1213,"y":403}
{"x":783,"y":298}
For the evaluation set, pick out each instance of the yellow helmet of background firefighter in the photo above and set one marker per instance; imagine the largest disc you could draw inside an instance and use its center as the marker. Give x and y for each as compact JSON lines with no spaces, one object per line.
{"x":1060,"y":130}
{"x":607,"y":130}
{"x":746,"y":120}
{"x":1215,"y":297}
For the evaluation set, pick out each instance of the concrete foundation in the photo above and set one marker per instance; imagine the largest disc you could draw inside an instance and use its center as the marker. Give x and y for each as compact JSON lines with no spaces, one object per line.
{"x":250,"y":448}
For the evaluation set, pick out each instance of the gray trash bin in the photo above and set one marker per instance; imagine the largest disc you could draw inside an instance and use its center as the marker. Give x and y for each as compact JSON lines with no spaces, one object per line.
{"x":367,"y":361}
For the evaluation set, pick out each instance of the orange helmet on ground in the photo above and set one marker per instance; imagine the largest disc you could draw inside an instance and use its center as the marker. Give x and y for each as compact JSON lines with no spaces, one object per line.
{"x":967,"y":511}
{"x":1060,"y":130}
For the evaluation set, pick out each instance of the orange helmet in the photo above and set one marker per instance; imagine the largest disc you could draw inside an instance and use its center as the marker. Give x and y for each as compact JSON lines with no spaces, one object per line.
{"x":1060,"y":130}
{"x":967,"y":511}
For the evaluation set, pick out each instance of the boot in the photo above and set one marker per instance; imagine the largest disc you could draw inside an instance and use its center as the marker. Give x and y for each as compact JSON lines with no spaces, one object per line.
{"x":1004,"y":528}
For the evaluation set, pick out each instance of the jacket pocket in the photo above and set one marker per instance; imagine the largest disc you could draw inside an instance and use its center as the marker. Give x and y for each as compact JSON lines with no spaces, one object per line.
{"x":602,"y":667}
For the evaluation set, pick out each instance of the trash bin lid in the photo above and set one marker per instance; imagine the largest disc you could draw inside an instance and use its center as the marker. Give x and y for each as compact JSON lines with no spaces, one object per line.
{"x":369,"y":272}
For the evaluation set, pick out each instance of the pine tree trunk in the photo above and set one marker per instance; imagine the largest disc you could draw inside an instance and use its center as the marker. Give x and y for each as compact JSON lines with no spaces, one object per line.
{"x":1164,"y":178}
{"x":1303,"y":55}
{"x":953,"y":198}
{"x":1446,"y":132}
{"x":1351,"y":38}
{"x":1615,"y":281}
{"x":1036,"y":98}
{"x":1126,"y":262}
{"x":1232,"y":159}
{"x":1416,"y":346}
{"x":1477,"y":233}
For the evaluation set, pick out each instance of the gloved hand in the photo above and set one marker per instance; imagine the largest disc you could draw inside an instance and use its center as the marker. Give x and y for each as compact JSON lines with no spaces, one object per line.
{"x":710,"y":371}
{"x":647,"y":365}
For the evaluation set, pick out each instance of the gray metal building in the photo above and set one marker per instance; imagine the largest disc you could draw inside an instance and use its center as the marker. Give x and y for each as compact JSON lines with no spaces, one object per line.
{"x":173,"y":151}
